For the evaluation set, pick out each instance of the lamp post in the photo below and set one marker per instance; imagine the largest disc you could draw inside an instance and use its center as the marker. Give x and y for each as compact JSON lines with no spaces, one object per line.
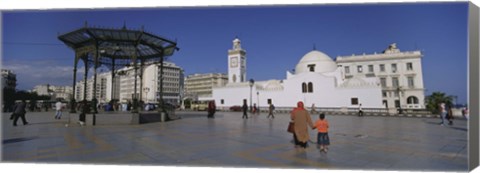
{"x":455,"y":101}
{"x":258,"y":102}
{"x":251,"y":82}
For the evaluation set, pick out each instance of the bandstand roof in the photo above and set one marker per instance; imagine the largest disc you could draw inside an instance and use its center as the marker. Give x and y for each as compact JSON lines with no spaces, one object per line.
{"x":120,"y":44}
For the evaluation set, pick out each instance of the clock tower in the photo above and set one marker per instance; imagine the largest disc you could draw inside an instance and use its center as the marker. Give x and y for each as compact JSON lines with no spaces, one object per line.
{"x":237,"y":63}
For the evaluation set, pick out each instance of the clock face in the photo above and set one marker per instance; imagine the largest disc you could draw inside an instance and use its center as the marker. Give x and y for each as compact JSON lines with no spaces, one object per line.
{"x":233,"y":62}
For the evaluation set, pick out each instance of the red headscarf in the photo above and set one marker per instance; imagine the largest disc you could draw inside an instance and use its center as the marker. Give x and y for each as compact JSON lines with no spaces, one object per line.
{"x":298,"y":108}
{"x":300,"y":105}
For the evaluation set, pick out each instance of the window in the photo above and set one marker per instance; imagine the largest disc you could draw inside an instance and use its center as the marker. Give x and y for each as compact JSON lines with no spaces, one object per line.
{"x":412,"y":100}
{"x":222,"y":101}
{"x":394,"y":68}
{"x":310,"y":87}
{"x":269,"y":101}
{"x":370,"y":68}
{"x":304,"y":87}
{"x":382,"y":67}
{"x":354,"y":101}
{"x":359,"y":69}
{"x":383,"y":82}
{"x":347,"y":69}
{"x":411,"y":82}
{"x":384,"y":93}
{"x":409,"y":66}
{"x":395,"y":82}
{"x":311,"y":67}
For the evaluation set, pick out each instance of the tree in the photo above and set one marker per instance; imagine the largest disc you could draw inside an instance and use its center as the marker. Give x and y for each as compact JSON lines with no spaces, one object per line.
{"x":433,"y":101}
{"x":8,"y":99}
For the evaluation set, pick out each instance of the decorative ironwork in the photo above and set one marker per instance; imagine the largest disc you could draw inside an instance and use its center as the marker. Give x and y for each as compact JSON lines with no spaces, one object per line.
{"x":116,"y":49}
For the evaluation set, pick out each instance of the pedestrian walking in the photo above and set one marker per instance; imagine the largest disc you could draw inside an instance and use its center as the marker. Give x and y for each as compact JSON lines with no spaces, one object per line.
{"x":322,"y":126}
{"x":245,"y":110}
{"x":465,"y":113}
{"x":449,"y":115}
{"x":360,"y":110}
{"x":271,"y":109}
{"x":19,"y":112}
{"x":301,"y":119}
{"x":45,"y":105}
{"x":58,"y":108}
{"x":313,"y":110}
{"x":443,"y":113}
{"x":254,"y":111}
{"x":211,"y":109}
{"x":82,"y":116}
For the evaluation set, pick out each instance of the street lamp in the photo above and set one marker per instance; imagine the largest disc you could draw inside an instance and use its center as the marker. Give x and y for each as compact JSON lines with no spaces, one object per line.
{"x":251,"y":82}
{"x":455,"y":101}
{"x":258,"y":102}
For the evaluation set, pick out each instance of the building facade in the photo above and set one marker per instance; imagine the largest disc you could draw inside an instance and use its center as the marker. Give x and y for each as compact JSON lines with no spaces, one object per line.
{"x":399,"y":74}
{"x":200,"y":86}
{"x":55,"y":92}
{"x":317,"y":80}
{"x":173,"y":83}
{"x":9,"y":79}
{"x":123,"y":87}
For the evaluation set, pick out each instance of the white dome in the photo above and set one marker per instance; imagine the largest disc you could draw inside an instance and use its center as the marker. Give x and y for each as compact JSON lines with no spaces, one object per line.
{"x":323,"y":63}
{"x":273,"y":85}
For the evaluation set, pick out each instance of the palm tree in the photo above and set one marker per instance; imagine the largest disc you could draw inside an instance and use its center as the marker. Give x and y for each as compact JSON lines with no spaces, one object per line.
{"x":433,"y":101}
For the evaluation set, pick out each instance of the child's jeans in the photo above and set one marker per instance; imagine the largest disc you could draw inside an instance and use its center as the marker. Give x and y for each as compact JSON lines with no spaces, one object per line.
{"x":323,"y":139}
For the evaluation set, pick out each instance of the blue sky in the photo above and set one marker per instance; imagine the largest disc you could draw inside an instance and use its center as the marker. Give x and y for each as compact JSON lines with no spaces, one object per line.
{"x":275,"y":37}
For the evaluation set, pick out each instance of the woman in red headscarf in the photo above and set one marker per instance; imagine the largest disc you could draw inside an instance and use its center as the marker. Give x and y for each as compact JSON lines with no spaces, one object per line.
{"x":301,"y":119}
{"x":211,"y":109}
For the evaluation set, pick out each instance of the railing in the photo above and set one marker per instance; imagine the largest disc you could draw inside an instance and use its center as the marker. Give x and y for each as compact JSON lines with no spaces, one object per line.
{"x":347,"y":110}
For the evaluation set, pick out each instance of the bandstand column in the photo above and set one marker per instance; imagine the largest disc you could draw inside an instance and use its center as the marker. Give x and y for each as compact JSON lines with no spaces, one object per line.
{"x":85,"y":106}
{"x":161,"y":103}
{"x":72,"y":100}
{"x":135,"y":99}
{"x":142,"y":64}
{"x":112,"y":95}
{"x":94,"y":94}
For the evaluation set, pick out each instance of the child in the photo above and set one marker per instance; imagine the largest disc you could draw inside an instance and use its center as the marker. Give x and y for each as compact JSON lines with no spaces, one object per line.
{"x":322,"y":138}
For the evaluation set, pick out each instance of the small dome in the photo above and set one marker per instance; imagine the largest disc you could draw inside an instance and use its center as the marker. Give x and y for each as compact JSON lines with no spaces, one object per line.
{"x":322,"y":63}
{"x":273,"y":85}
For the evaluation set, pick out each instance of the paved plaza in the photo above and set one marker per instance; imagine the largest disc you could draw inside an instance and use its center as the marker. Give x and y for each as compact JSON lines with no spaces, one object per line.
{"x":366,"y":143}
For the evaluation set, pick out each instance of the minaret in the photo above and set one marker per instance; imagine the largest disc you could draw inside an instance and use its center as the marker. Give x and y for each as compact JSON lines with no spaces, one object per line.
{"x":237,"y":63}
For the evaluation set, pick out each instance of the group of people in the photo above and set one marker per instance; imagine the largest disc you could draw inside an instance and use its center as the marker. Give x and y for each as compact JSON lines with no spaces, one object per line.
{"x":271,"y":109}
{"x":446,"y":114}
{"x":300,"y":120}
{"x":19,"y":111}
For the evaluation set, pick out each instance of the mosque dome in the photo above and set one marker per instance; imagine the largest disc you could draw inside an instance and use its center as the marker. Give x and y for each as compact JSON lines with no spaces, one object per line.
{"x":319,"y":61}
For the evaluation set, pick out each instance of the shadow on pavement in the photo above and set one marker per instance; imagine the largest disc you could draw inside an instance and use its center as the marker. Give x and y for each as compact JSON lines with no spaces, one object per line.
{"x":14,"y":140}
{"x":459,"y":128}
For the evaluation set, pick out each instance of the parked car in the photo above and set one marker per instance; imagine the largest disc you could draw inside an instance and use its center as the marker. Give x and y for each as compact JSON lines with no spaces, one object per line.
{"x":236,"y":108}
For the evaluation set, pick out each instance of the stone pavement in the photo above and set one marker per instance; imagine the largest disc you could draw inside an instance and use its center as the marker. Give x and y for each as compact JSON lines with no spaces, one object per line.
{"x":365,"y":143}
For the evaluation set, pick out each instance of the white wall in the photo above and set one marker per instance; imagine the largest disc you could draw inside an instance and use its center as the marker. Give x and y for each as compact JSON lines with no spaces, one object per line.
{"x":325,"y":94}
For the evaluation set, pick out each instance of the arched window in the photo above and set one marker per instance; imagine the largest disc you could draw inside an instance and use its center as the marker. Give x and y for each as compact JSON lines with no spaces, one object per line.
{"x":412,"y":100}
{"x":310,"y":87}
{"x":304,"y":87}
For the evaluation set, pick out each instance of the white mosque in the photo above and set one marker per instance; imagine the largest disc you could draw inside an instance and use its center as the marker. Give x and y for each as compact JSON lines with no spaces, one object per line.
{"x":316,"y":80}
